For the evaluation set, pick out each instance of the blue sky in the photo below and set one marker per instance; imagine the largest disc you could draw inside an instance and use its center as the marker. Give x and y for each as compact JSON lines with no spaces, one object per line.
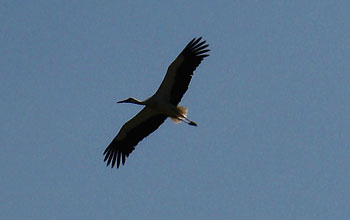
{"x":271,"y":102}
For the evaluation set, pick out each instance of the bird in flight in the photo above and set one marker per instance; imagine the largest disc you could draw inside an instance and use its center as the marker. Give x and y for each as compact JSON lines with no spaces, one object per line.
{"x":160,"y":106}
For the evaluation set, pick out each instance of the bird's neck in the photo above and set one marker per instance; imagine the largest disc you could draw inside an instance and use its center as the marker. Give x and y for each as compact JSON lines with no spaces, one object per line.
{"x":136,"y":101}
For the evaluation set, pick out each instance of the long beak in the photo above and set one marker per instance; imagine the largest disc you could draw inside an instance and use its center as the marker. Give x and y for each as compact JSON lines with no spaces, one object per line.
{"x":122,"y":101}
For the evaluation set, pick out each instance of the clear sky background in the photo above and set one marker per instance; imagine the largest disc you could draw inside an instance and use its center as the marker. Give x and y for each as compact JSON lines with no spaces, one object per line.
{"x":271,"y":102}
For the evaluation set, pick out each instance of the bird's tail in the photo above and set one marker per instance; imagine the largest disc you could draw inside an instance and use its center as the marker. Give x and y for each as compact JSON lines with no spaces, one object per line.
{"x":182,"y":111}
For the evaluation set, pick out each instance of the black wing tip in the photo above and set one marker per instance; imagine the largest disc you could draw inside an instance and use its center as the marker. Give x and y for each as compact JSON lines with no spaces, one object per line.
{"x":115,"y":156}
{"x":197,"y":47}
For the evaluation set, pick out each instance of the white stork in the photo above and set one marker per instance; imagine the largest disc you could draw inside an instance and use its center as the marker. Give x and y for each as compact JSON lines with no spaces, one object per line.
{"x":161,"y":105}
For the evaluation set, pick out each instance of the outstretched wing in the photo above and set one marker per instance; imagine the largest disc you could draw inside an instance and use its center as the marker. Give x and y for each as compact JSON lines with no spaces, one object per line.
{"x":132,"y":132}
{"x":179,"y":74}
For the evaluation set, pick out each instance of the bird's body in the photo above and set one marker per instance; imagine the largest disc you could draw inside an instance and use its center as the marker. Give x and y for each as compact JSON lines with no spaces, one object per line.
{"x":163,"y":104}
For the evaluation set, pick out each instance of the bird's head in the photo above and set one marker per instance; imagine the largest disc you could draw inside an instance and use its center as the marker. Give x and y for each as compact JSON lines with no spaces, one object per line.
{"x":130,"y":100}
